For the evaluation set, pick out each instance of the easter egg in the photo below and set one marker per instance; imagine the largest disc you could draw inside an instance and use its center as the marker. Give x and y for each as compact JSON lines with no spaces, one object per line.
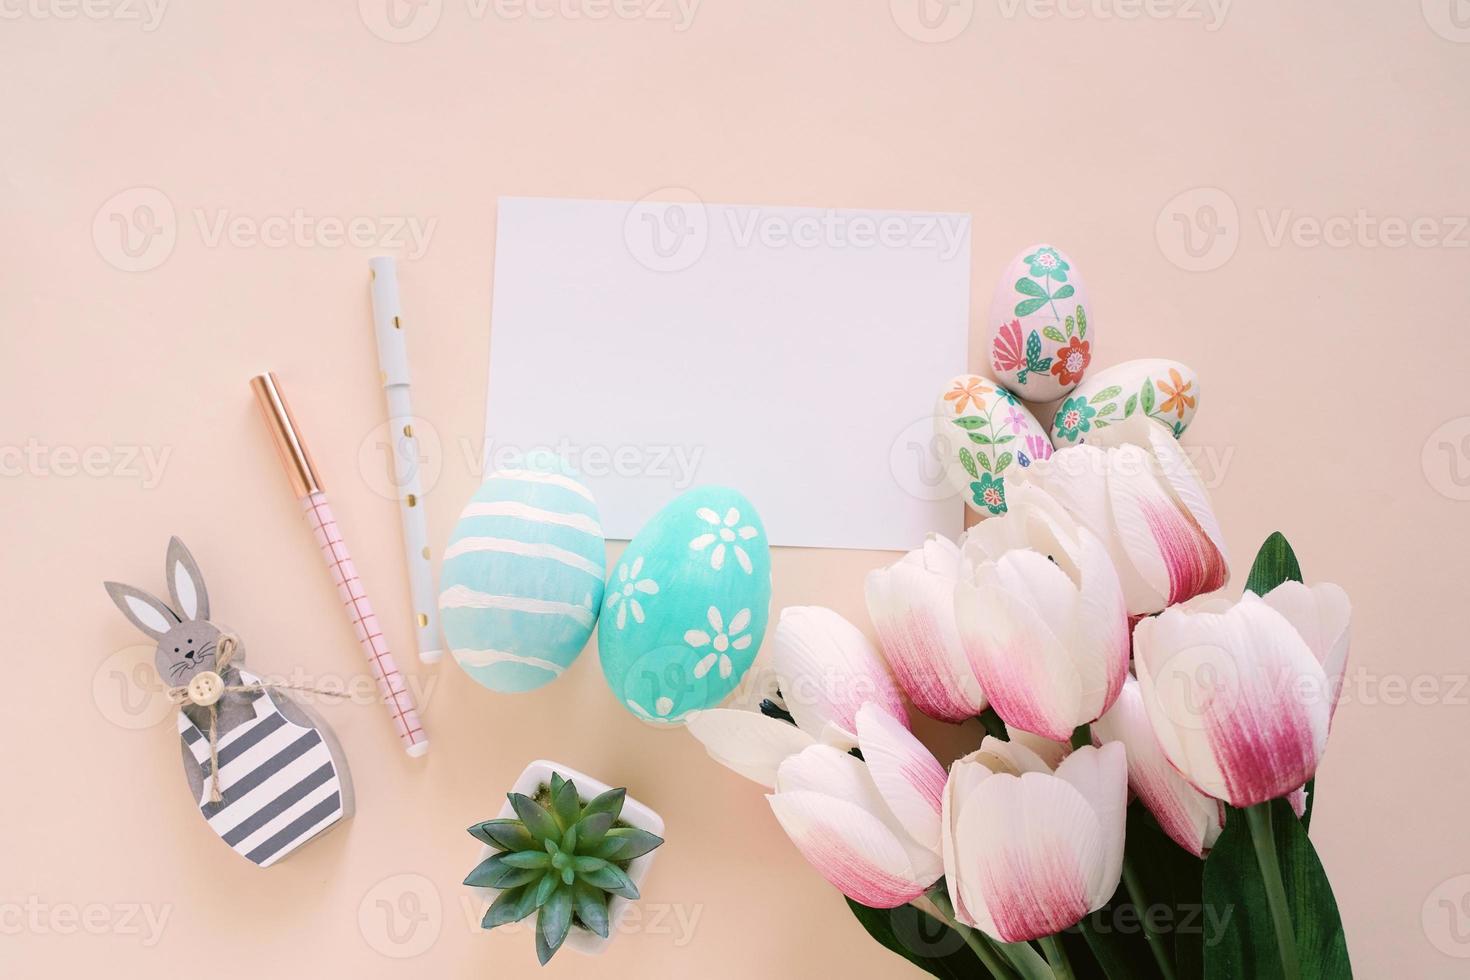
{"x":1041,"y":335}
{"x":522,"y":577}
{"x":1163,"y":390}
{"x":984,"y":435}
{"x":686,"y":605}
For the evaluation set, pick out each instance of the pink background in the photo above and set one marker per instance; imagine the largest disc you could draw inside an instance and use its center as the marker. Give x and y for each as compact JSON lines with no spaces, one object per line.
{"x":1335,"y":408}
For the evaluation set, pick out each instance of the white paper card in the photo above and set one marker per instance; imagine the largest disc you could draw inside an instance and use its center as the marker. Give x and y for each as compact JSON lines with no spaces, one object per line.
{"x":794,"y":354}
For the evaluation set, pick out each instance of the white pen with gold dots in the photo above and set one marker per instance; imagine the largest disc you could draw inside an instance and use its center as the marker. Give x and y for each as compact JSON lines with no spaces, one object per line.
{"x":407,"y":455}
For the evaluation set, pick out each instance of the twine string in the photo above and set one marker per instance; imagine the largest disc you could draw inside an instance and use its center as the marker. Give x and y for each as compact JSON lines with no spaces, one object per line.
{"x":225,"y":650}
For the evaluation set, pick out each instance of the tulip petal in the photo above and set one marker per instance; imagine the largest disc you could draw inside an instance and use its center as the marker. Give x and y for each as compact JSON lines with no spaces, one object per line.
{"x":1028,"y":674}
{"x":1101,"y":776}
{"x":908,"y":777}
{"x":851,"y":848}
{"x":912,"y":610}
{"x":1223,"y":694}
{"x":748,"y":742}
{"x":1192,"y":819}
{"x":1025,"y":852}
{"x":1163,"y":540}
{"x":828,"y":669}
{"x":964,"y":775}
{"x":1321,"y":615}
{"x":1099,"y":635}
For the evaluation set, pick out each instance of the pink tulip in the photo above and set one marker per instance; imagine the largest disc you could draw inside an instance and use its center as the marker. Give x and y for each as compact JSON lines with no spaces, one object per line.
{"x":825,"y":670}
{"x":1041,"y":617}
{"x":1240,"y":695}
{"x":1191,"y":818}
{"x":1134,"y":488}
{"x":912,"y":607}
{"x":1028,"y":852}
{"x":871,"y":828}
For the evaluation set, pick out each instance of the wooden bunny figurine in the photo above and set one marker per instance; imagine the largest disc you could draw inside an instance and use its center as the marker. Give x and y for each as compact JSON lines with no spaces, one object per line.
{"x":282,"y":778}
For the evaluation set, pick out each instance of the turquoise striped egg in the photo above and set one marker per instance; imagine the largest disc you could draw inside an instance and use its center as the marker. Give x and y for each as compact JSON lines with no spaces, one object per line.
{"x":685,"y":608}
{"x":522,"y":577}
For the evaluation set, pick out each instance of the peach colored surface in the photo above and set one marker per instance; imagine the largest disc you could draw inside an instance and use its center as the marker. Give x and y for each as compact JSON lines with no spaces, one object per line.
{"x":1276,"y":197}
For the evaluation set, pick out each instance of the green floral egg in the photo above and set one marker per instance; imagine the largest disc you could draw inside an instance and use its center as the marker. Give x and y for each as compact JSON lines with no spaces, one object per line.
{"x":685,"y":607}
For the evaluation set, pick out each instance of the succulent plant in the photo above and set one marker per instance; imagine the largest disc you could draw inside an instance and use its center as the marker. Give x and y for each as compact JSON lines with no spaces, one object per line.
{"x":560,"y":858}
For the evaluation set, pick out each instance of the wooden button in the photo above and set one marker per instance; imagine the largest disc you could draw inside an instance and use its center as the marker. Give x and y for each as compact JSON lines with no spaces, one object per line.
{"x":205,"y":689}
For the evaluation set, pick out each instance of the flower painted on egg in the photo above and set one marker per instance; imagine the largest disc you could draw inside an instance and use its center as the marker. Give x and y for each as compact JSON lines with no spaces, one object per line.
{"x":990,"y":493}
{"x":1074,"y":418}
{"x":728,"y":532}
{"x":625,"y":595}
{"x":1016,"y":421}
{"x":967,"y":392}
{"x":1177,"y":395}
{"x":1047,"y":262}
{"x":1010,"y":350}
{"x":1072,"y":360}
{"x":723,"y":640}
{"x":1038,"y":447}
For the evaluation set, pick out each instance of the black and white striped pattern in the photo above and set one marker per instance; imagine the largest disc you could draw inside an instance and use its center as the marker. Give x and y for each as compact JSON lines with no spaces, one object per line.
{"x":278,"y":784}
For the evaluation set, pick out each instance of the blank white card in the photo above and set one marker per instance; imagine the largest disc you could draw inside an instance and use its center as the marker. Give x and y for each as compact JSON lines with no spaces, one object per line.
{"x":794,"y":354}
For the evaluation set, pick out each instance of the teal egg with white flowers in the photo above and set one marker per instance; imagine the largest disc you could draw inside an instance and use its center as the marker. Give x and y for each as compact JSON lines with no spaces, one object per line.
{"x":686,"y":605}
{"x":522,"y":577}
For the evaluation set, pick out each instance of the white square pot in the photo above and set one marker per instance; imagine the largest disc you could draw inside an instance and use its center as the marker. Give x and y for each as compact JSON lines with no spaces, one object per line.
{"x":635,"y":814}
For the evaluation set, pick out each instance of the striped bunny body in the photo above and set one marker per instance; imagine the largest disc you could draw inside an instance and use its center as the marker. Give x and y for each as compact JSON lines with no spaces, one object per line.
{"x":279,"y":784}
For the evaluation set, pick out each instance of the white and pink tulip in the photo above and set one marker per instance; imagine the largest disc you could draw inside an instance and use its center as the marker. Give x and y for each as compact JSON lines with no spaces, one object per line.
{"x":1192,"y":819}
{"x":1041,"y":617}
{"x":1133,"y":487}
{"x":871,"y":828}
{"x":1240,"y":695}
{"x":825,"y":670}
{"x":1027,"y":851}
{"x":912,"y":606}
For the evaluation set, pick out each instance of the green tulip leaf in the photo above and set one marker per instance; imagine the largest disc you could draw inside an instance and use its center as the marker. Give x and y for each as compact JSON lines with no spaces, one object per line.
{"x":1233,"y":885}
{"x":925,"y":942}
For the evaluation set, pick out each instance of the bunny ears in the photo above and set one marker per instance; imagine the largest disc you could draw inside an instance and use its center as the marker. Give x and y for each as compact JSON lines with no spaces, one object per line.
{"x":185,"y":587}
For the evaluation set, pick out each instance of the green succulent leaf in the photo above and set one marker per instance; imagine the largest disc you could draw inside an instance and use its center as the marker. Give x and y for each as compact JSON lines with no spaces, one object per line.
{"x":609,"y":802}
{"x":569,"y":839}
{"x":556,"y":783}
{"x":614,"y":879}
{"x":505,"y":835}
{"x":527,"y":859}
{"x":587,"y":865}
{"x":541,"y":825}
{"x":566,"y":806}
{"x":591,"y":906}
{"x":591,"y":829}
{"x":511,"y":905}
{"x":545,"y":888}
{"x":633,"y":842}
{"x":552,"y":924}
{"x":494,"y":872}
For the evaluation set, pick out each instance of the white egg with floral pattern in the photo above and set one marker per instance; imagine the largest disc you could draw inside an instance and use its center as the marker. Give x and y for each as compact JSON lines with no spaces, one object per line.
{"x":1041,"y":335}
{"x":1163,"y":390}
{"x":984,"y":437}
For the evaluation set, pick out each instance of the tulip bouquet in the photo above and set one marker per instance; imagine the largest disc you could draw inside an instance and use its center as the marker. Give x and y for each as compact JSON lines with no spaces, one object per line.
{"x":1139,"y":803}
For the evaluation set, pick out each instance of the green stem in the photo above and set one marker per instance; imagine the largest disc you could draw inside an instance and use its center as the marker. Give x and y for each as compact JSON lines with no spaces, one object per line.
{"x":1150,"y":933}
{"x":1259,"y":819}
{"x":988,"y":955}
{"x":1081,"y":736}
{"x":1056,"y":957}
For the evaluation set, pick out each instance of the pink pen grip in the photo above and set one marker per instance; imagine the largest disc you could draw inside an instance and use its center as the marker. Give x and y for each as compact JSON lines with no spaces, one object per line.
{"x":391,"y":686}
